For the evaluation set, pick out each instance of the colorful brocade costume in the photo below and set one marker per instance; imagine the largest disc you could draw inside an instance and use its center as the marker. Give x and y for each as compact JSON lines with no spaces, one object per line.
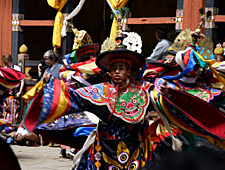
{"x":193,"y":105}
{"x":121,"y":141}
{"x":193,"y":117}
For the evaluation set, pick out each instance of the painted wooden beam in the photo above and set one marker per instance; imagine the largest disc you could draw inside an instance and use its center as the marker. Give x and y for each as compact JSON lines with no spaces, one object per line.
{"x":219,"y":18}
{"x":151,"y":20}
{"x":36,"y":23}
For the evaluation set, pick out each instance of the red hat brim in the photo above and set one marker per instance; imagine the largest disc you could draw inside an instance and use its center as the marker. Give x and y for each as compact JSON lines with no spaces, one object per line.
{"x":87,"y":49}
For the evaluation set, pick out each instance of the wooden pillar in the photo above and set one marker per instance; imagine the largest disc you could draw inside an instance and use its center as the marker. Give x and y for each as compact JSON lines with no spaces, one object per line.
{"x":21,"y":58}
{"x":17,"y":32}
{"x":191,"y":15}
{"x":5,"y":27}
{"x":67,"y":42}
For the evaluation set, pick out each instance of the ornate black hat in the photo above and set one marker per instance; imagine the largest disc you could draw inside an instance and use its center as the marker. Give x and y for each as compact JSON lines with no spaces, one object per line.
{"x":125,"y":49}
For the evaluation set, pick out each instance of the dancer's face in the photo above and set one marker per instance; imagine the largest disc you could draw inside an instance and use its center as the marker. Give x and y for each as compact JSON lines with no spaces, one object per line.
{"x":119,"y":73}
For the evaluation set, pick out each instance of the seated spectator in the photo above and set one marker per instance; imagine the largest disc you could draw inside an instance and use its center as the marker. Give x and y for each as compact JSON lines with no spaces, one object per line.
{"x":161,"y":49}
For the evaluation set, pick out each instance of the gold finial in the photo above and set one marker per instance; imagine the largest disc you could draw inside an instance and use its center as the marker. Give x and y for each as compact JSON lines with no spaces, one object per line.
{"x":218,"y":51}
{"x":23,"y":49}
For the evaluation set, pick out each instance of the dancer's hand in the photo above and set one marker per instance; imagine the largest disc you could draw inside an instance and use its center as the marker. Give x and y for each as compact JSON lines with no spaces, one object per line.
{"x":164,"y":90}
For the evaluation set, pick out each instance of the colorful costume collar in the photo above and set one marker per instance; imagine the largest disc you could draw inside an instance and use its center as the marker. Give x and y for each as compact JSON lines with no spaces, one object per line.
{"x":131,"y":104}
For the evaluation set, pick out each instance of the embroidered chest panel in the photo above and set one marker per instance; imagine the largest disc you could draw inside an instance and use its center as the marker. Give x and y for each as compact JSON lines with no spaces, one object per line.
{"x":129,"y":103}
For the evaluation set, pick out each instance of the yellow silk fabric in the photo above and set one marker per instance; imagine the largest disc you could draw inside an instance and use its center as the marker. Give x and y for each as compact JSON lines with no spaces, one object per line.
{"x":61,"y":105}
{"x":54,"y":3}
{"x":58,"y":5}
{"x":116,"y":4}
{"x":31,"y":93}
